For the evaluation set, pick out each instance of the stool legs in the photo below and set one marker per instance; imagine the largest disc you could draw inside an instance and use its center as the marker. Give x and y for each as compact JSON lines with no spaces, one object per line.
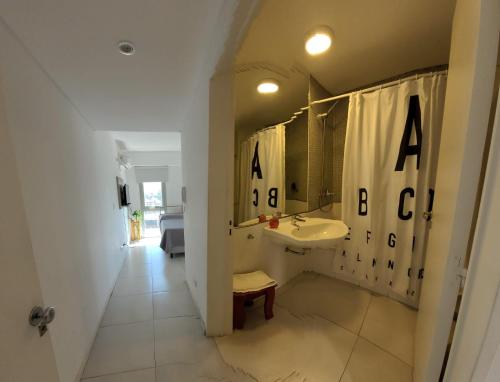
{"x":240,"y":300}
{"x":239,"y":311}
{"x":268,"y":304}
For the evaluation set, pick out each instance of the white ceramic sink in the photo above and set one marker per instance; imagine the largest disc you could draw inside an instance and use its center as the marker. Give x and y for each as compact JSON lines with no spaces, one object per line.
{"x":313,"y":233}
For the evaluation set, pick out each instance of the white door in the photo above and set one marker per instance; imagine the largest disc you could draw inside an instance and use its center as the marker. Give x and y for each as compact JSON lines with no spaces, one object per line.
{"x":24,"y":355}
{"x":477,"y":335}
{"x":465,"y":123}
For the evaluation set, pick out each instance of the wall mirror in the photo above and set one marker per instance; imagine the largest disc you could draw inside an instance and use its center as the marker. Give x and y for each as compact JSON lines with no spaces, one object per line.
{"x":289,"y":155}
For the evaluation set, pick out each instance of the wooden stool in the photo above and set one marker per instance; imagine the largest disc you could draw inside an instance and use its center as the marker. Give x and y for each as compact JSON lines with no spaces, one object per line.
{"x":248,"y":286}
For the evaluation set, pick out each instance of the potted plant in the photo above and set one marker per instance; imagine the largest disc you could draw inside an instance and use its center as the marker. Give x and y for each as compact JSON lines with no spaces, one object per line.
{"x":135,"y":225}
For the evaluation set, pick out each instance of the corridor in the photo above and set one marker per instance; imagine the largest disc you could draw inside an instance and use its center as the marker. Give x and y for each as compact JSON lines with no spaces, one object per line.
{"x":151,"y":330}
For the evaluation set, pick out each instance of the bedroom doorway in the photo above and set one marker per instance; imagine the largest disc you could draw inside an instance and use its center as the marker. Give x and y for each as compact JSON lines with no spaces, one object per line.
{"x":153,"y":202}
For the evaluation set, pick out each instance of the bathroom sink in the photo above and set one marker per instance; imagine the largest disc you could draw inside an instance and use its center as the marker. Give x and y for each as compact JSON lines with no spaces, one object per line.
{"x":312,"y":233}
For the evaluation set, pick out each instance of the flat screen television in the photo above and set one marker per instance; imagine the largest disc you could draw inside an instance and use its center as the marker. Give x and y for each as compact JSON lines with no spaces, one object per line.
{"x":125,"y":195}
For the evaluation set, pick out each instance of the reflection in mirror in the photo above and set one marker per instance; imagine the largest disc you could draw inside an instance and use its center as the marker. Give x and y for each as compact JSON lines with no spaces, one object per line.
{"x":289,"y":157}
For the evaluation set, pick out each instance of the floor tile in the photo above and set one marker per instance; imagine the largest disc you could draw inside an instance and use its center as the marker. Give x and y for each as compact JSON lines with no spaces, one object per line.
{"x":181,"y":340}
{"x":132,"y":285}
{"x":121,"y":348}
{"x":139,"y":269}
{"x":174,"y":304}
{"x":334,"y":300}
{"x":128,"y":309}
{"x":137,"y":257}
{"x":146,"y":375}
{"x":169,"y":281}
{"x":391,"y":325}
{"x":298,"y":348}
{"x":166,"y":267}
{"x":211,"y":368}
{"x":369,"y":363}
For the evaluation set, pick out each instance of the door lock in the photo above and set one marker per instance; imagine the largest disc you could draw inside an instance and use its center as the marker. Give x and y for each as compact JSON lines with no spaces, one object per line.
{"x":41,"y":317}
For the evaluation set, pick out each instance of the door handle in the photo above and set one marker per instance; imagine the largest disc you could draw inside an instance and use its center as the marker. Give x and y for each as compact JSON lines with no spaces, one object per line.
{"x":40,"y":317}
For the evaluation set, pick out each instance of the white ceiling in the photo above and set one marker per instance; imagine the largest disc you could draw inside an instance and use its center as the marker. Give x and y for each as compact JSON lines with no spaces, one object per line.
{"x":148,"y":141}
{"x":76,"y":43}
{"x":373,"y":41}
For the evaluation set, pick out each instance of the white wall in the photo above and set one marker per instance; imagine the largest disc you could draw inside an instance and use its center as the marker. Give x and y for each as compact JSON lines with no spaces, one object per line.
{"x":198,"y":148}
{"x":259,"y":252}
{"x":135,"y":196}
{"x":68,"y":180}
{"x":154,"y":158}
{"x":252,"y":250}
{"x":171,"y":175}
{"x":151,"y":174}
{"x":155,"y":166}
{"x":174,"y":186}
{"x":195,"y":175}
{"x":220,"y":205}
{"x":468,"y":99}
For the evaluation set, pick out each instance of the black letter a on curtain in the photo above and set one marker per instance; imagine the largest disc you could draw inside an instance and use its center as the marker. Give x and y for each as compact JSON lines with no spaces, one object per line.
{"x":255,"y":163}
{"x":405,"y":149}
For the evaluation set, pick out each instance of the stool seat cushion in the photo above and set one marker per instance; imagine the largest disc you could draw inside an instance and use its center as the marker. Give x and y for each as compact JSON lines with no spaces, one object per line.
{"x":252,"y":282}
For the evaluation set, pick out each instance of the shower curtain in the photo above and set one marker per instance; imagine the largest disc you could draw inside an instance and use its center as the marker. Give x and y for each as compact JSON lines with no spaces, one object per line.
{"x":262,"y":174}
{"x":390,"y":162}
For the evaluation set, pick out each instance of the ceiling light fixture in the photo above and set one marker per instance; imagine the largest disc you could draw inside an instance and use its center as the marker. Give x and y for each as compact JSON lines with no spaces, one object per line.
{"x":319,"y":40}
{"x":126,"y":48}
{"x":268,"y":86}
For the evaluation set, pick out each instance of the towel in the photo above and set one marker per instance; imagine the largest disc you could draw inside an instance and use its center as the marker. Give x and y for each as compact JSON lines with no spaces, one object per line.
{"x":252,"y":282}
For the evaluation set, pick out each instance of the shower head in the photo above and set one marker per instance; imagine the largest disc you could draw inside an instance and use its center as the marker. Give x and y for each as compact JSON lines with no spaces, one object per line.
{"x":325,"y":115}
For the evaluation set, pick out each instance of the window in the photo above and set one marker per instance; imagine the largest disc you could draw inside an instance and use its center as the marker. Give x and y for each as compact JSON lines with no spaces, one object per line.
{"x":153,"y":204}
{"x":153,"y":195}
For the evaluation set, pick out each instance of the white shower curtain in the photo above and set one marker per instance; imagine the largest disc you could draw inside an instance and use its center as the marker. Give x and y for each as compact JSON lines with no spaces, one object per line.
{"x":262,"y":174}
{"x":390,"y":162}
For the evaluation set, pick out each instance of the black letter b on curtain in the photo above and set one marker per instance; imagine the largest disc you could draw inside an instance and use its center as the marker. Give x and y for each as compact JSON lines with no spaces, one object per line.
{"x":363,"y":202}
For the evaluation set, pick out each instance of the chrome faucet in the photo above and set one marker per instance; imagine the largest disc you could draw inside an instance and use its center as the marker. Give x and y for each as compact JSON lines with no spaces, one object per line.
{"x":297,"y":218}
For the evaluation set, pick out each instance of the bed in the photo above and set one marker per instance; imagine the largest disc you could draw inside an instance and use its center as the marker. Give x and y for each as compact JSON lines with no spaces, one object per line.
{"x":172,"y":233}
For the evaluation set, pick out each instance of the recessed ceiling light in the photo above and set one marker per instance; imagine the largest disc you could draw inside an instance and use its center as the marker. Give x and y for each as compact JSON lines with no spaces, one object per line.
{"x":319,"y":41}
{"x":126,"y":48}
{"x":268,"y":86}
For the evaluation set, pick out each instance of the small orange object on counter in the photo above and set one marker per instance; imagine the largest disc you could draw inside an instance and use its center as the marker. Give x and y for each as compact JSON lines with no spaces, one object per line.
{"x":274,"y":222}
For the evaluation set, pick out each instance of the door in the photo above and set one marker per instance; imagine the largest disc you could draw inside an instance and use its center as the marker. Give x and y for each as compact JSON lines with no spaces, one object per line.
{"x":24,"y":355}
{"x":468,"y":100}
{"x":153,"y":202}
{"x":477,"y":335}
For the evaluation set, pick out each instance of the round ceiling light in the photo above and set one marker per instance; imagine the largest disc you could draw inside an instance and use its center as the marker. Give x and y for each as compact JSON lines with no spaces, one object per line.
{"x":319,"y":41}
{"x":126,"y":48}
{"x":268,"y":86}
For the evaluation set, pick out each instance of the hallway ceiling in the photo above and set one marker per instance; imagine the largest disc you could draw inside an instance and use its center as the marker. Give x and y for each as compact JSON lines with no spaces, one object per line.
{"x":76,"y":44}
{"x":373,"y":40}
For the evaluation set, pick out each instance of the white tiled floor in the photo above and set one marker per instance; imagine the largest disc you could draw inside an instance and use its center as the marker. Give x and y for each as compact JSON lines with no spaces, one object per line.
{"x":323,"y":330}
